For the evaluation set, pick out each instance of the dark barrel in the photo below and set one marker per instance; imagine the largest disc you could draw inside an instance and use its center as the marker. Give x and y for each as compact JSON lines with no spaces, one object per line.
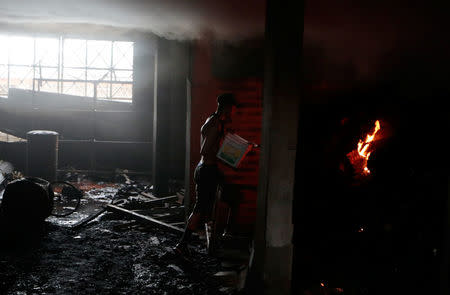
{"x":42,"y":154}
{"x":26,"y":203}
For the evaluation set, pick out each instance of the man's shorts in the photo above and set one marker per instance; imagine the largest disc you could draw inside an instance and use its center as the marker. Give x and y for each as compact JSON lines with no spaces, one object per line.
{"x":207,"y":178}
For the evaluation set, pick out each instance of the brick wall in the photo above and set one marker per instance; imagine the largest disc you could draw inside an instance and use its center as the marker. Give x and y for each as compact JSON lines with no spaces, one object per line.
{"x":246,"y":123}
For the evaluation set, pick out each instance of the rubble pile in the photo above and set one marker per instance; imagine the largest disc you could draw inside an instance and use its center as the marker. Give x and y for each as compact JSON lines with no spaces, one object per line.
{"x":96,"y":250}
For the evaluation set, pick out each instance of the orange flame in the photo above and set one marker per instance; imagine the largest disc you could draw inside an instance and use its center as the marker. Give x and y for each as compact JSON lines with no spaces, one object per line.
{"x":363,"y":152}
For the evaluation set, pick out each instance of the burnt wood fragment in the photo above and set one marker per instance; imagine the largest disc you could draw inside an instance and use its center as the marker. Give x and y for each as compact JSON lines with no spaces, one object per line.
{"x":142,"y":218}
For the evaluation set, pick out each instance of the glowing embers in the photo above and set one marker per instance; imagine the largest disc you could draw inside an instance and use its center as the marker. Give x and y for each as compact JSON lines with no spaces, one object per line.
{"x":360,"y":156}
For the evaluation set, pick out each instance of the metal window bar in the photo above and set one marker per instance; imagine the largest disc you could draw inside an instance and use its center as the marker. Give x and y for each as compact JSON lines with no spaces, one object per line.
{"x":111,"y":69}
{"x":34,"y":61}
{"x":80,"y":68}
{"x":9,"y":60}
{"x":60,"y":81}
{"x":33,"y":122}
{"x":60,"y":68}
{"x":94,"y":82}
{"x":61,"y":65}
{"x":86,"y":67}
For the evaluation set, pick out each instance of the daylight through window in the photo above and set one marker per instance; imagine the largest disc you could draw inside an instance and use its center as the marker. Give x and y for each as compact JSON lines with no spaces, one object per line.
{"x":93,"y":68}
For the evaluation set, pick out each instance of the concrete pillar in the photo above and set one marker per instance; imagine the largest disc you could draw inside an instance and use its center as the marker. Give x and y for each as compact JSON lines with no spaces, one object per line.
{"x":282,"y":80}
{"x":143,"y":86}
{"x":179,"y":68}
{"x":161,"y":120}
{"x":169,"y":122}
{"x":144,"y":71}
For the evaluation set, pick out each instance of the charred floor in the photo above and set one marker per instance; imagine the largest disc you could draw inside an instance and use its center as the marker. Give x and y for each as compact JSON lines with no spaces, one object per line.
{"x":93,"y":251}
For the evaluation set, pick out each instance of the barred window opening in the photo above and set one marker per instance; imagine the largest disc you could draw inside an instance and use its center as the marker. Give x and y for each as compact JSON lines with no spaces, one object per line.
{"x":92,"y":68}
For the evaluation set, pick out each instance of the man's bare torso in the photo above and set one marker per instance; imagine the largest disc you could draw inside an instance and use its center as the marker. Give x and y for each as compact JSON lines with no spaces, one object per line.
{"x":211,"y":136}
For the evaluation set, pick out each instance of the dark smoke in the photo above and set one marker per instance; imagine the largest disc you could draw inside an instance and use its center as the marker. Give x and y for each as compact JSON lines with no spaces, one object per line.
{"x":174,"y":19}
{"x":361,"y":40}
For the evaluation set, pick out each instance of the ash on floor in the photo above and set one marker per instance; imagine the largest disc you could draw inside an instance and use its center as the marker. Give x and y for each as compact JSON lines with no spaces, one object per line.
{"x":110,"y":255}
{"x":107,"y":258}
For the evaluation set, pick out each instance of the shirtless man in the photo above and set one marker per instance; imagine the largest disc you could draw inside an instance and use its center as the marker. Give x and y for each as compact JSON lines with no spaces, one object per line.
{"x":207,"y":175}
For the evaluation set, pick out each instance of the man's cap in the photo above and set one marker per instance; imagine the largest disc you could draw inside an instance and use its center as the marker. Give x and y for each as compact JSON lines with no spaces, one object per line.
{"x":225,"y":99}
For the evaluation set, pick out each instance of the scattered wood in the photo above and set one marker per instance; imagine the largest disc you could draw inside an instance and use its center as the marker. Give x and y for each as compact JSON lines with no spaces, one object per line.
{"x":172,"y":209}
{"x":180,"y":196}
{"x":142,"y":218}
{"x":169,"y":198}
{"x":161,"y":215}
{"x":150,"y":204}
{"x":177,"y":223}
{"x":91,"y":217}
{"x":157,"y":201}
{"x":125,"y":226}
{"x":88,"y":219}
{"x":147,"y":195}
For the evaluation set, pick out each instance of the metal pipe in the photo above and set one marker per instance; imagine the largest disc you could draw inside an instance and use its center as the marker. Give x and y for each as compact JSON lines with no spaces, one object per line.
{"x":103,"y":172}
{"x":87,"y":81}
{"x":103,"y":141}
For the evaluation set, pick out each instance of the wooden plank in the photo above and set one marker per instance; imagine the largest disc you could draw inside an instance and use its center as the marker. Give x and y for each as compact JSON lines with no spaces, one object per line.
{"x":150,"y":196}
{"x":156,"y":202}
{"x":88,"y":219}
{"x":178,"y":223}
{"x":142,"y":218}
{"x":92,"y":217}
{"x":163,"y":199}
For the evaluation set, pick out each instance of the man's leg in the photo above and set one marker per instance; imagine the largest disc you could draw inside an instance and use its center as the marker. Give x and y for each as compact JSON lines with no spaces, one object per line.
{"x":194,"y":218}
{"x":192,"y":224}
{"x":206,"y":180}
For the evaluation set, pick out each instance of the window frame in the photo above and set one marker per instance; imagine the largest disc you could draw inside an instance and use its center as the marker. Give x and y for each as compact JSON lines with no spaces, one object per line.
{"x":60,"y":66}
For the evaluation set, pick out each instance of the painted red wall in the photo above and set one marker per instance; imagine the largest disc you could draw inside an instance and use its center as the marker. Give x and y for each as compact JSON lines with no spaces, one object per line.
{"x":246,"y":123}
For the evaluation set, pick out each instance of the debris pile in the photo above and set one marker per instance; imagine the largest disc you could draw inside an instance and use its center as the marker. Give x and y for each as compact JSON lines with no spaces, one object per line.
{"x":118,"y":241}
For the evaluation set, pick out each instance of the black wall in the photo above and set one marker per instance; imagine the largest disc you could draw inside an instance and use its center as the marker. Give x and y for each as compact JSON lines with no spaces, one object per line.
{"x":362,"y":62}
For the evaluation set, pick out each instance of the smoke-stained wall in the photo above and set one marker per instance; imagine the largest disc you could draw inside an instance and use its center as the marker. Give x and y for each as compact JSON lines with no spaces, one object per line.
{"x":364,"y":61}
{"x":400,"y":44}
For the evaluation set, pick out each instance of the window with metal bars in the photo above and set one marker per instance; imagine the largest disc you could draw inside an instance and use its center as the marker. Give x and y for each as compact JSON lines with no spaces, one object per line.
{"x":92,"y":68}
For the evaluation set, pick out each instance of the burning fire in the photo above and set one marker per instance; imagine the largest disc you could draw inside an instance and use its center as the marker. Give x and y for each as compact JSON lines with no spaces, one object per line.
{"x":360,"y":156}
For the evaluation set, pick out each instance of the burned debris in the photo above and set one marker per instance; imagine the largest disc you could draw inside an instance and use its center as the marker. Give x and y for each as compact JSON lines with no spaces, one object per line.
{"x":125,"y":217}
